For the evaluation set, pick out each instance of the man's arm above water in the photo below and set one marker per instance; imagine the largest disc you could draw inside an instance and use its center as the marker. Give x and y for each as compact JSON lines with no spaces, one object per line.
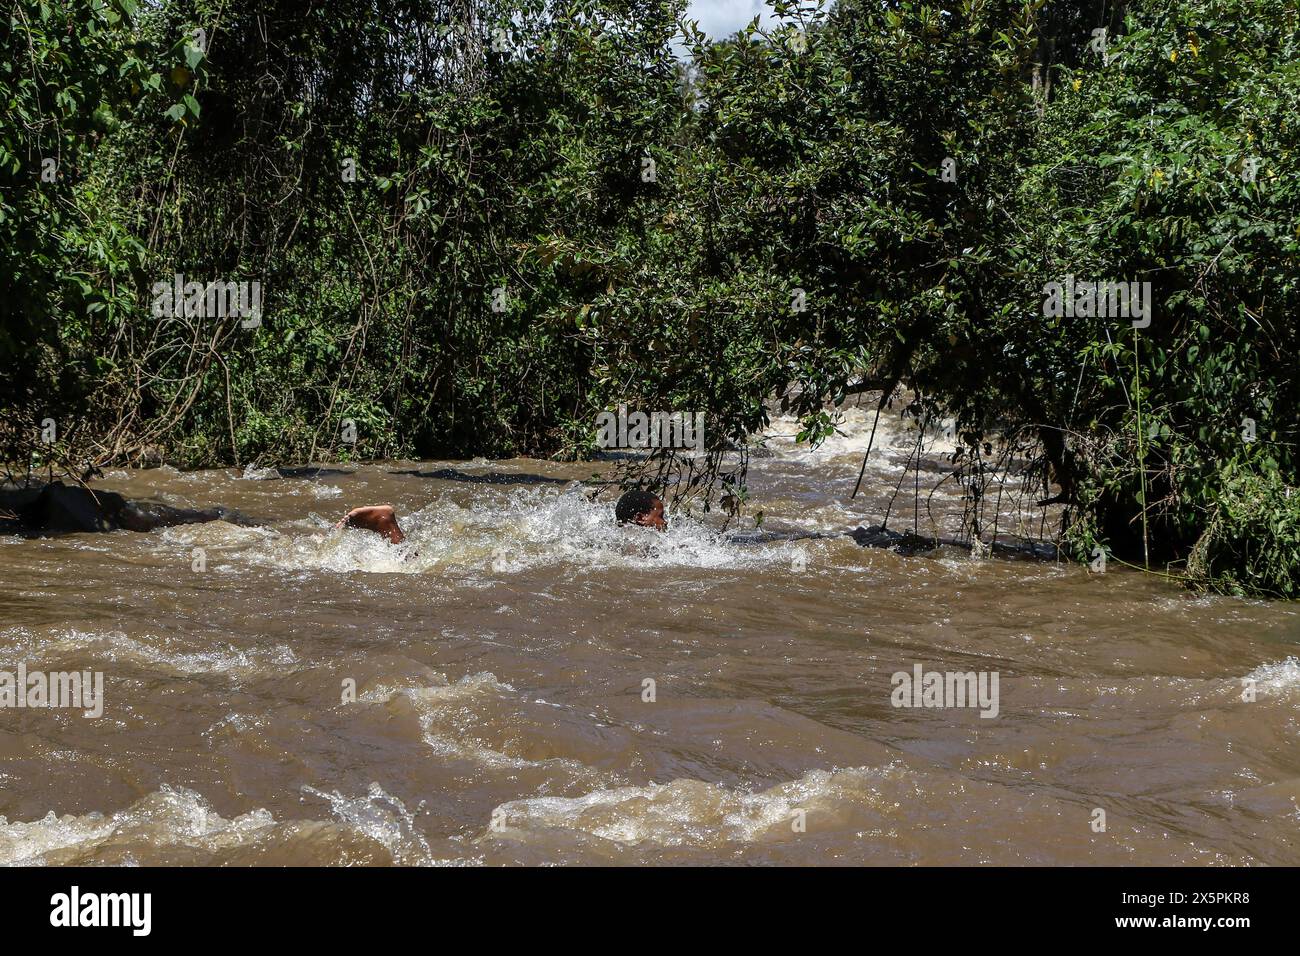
{"x":380,"y":519}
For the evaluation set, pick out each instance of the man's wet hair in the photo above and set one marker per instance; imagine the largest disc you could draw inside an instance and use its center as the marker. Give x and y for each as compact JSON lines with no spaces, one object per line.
{"x":633,"y":505}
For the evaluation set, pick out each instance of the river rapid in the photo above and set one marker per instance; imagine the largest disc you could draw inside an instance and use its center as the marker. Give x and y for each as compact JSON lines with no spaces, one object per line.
{"x":536,"y":686}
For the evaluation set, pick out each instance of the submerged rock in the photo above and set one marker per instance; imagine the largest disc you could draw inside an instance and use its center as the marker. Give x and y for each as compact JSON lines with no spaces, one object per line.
{"x":904,"y":543}
{"x":908,"y":543}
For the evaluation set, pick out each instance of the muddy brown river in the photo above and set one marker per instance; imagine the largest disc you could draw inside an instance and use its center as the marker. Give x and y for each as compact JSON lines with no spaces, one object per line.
{"x":536,"y":686}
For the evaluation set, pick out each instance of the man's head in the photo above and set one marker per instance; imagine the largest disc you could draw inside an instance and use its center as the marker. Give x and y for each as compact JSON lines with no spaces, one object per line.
{"x":641,"y":507}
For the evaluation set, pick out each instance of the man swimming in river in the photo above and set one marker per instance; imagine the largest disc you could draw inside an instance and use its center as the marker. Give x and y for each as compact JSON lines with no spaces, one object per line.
{"x":641,"y":507}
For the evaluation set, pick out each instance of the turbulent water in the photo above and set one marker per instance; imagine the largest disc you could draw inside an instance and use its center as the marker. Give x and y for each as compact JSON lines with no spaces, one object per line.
{"x":503,"y":715}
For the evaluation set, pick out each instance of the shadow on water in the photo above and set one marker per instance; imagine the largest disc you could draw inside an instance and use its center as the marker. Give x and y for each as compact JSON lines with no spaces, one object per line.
{"x":496,"y":477}
{"x":312,"y":471}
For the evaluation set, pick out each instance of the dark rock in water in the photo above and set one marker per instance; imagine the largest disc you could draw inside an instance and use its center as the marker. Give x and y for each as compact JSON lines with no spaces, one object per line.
{"x":768,"y":537}
{"x":874,"y":537}
{"x":1028,"y":550}
{"x":911,"y":544}
{"x":311,"y":471}
{"x":908,"y":544}
{"x":67,"y":509}
{"x":904,"y":543}
{"x":147,"y":515}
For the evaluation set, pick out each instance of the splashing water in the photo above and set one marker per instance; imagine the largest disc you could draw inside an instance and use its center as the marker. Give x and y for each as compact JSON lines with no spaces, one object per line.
{"x":529,"y":528}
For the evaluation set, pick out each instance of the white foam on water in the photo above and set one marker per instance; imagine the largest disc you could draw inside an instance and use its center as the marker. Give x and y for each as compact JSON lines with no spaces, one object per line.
{"x":254,"y":473}
{"x":213,"y":534}
{"x":470,"y":686}
{"x":171,"y":816}
{"x":149,"y":650}
{"x":694,"y":813}
{"x":383,"y":818}
{"x":538,"y":527}
{"x":527,"y":528}
{"x":852,"y":435}
{"x":338,"y":551}
{"x":1277,"y":677}
{"x":448,"y":713}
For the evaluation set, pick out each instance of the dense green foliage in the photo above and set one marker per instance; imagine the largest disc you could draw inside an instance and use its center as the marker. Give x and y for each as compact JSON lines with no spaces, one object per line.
{"x":558,"y":206}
